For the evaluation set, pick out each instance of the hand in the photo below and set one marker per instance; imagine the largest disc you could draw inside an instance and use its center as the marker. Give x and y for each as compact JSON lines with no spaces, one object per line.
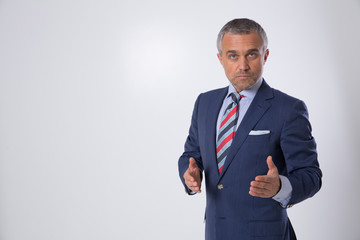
{"x":192,"y":176}
{"x":268,"y":185}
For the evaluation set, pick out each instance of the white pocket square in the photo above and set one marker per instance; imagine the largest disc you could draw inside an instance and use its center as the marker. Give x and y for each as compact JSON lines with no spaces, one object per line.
{"x":259,"y":132}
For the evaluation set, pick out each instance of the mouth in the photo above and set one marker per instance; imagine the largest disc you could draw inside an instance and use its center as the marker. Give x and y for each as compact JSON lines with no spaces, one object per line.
{"x":243,"y":76}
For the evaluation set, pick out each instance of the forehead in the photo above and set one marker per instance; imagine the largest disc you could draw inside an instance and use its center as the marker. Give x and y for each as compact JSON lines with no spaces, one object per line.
{"x":241,"y":42}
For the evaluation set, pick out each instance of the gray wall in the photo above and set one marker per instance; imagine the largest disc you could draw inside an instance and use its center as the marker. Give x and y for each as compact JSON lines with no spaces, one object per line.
{"x":96,"y":99}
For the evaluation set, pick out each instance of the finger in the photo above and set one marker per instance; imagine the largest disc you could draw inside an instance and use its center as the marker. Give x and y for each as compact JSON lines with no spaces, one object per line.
{"x":270,"y":163}
{"x":259,"y":192}
{"x":189,"y":176}
{"x":255,"y":190}
{"x":265,"y":186}
{"x":192,"y":163}
{"x":264,"y":178}
{"x":197,"y":190}
{"x":190,"y":180}
{"x":194,"y":186}
{"x":191,"y":184}
{"x":260,"y":185}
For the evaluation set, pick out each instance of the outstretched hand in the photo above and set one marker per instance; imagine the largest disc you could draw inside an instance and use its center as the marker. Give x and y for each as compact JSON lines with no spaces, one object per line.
{"x":192,"y":176}
{"x":268,"y":185}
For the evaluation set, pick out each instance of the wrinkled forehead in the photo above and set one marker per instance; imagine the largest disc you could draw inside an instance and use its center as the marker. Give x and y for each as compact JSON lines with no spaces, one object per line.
{"x":242,"y":41}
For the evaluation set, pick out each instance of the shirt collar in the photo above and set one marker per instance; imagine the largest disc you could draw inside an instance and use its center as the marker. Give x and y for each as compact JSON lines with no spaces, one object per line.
{"x":248,"y":93}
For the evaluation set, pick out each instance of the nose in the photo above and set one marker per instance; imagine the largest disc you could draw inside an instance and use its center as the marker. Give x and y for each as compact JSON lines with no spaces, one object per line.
{"x":243,"y":64}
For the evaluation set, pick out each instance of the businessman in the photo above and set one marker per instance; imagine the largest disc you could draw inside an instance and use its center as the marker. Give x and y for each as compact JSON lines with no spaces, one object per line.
{"x":251,"y":144}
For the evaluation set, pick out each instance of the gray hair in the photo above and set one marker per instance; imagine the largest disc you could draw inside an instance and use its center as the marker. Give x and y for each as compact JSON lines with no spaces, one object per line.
{"x":241,"y":26}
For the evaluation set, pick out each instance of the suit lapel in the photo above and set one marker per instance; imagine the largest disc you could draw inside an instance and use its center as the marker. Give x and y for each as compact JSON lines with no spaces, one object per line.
{"x":212,"y":116}
{"x":258,"y":107}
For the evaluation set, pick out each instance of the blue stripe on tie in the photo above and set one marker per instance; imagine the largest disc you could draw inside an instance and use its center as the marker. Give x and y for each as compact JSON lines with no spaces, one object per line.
{"x":223,"y":156}
{"x":229,"y":108}
{"x":224,"y":148}
{"x":224,"y":132}
{"x":228,"y":122}
{"x":221,"y":163}
{"x":225,"y":135}
{"x":227,"y":129}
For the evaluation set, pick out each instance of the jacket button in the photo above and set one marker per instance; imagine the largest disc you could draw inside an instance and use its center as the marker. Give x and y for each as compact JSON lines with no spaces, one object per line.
{"x":220,"y":186}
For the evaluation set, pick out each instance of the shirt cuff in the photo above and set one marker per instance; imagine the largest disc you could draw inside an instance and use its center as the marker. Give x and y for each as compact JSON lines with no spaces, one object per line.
{"x":191,"y":192}
{"x":284,"y":195}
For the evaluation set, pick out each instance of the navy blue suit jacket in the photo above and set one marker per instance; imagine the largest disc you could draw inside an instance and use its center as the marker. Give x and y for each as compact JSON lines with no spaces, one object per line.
{"x":231,"y":213}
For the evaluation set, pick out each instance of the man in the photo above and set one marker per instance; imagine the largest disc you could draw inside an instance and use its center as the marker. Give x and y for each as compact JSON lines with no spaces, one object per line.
{"x":253,"y":143}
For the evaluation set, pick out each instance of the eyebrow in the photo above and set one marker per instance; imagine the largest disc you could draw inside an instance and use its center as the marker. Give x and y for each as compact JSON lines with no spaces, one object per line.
{"x":248,"y":51}
{"x":231,"y":51}
{"x":253,"y":50}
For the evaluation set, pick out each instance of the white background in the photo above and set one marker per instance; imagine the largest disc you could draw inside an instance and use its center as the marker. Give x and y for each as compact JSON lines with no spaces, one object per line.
{"x":96,"y":99}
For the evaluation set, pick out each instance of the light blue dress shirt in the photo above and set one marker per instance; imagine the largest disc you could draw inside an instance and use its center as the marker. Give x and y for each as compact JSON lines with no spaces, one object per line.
{"x":284,"y":195}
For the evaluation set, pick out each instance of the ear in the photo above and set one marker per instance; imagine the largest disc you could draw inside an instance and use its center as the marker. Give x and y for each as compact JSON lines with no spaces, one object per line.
{"x":266,"y":55}
{"x":220,"y":58}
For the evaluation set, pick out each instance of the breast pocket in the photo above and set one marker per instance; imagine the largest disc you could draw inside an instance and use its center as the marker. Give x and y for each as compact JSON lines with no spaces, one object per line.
{"x":257,"y":149}
{"x":259,"y":138}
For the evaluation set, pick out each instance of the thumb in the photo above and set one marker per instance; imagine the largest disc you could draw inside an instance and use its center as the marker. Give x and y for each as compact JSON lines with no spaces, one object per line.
{"x":192,"y":163}
{"x":271,"y":166}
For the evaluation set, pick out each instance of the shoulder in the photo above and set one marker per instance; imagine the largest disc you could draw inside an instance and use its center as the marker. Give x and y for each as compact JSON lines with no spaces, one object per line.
{"x":289,"y":104}
{"x":284,"y":102}
{"x":279,"y":95}
{"x":213,"y":94}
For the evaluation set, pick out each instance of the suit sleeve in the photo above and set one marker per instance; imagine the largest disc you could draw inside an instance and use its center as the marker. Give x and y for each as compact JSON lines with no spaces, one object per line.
{"x":299,"y":149}
{"x":192,"y":148}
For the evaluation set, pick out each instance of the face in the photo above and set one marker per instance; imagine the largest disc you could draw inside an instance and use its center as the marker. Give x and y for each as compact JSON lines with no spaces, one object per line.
{"x":243,"y":58}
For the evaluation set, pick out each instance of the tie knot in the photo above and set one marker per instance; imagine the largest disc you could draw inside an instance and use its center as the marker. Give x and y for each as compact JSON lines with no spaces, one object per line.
{"x":236,"y":97}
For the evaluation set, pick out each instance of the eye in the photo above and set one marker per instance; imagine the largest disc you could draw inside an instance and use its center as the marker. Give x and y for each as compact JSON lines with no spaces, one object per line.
{"x":252,"y":54}
{"x":233,"y":56}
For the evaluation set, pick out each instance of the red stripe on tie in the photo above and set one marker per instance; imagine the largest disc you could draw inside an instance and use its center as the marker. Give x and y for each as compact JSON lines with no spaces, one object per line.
{"x":230,"y":114}
{"x":225,"y":141}
{"x":220,"y":169}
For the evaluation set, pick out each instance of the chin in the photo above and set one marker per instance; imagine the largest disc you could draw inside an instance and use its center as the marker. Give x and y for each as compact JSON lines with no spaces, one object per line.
{"x":243,"y":86}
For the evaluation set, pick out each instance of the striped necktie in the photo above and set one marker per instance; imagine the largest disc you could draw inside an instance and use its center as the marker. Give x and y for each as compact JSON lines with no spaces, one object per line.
{"x":227,"y":130}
